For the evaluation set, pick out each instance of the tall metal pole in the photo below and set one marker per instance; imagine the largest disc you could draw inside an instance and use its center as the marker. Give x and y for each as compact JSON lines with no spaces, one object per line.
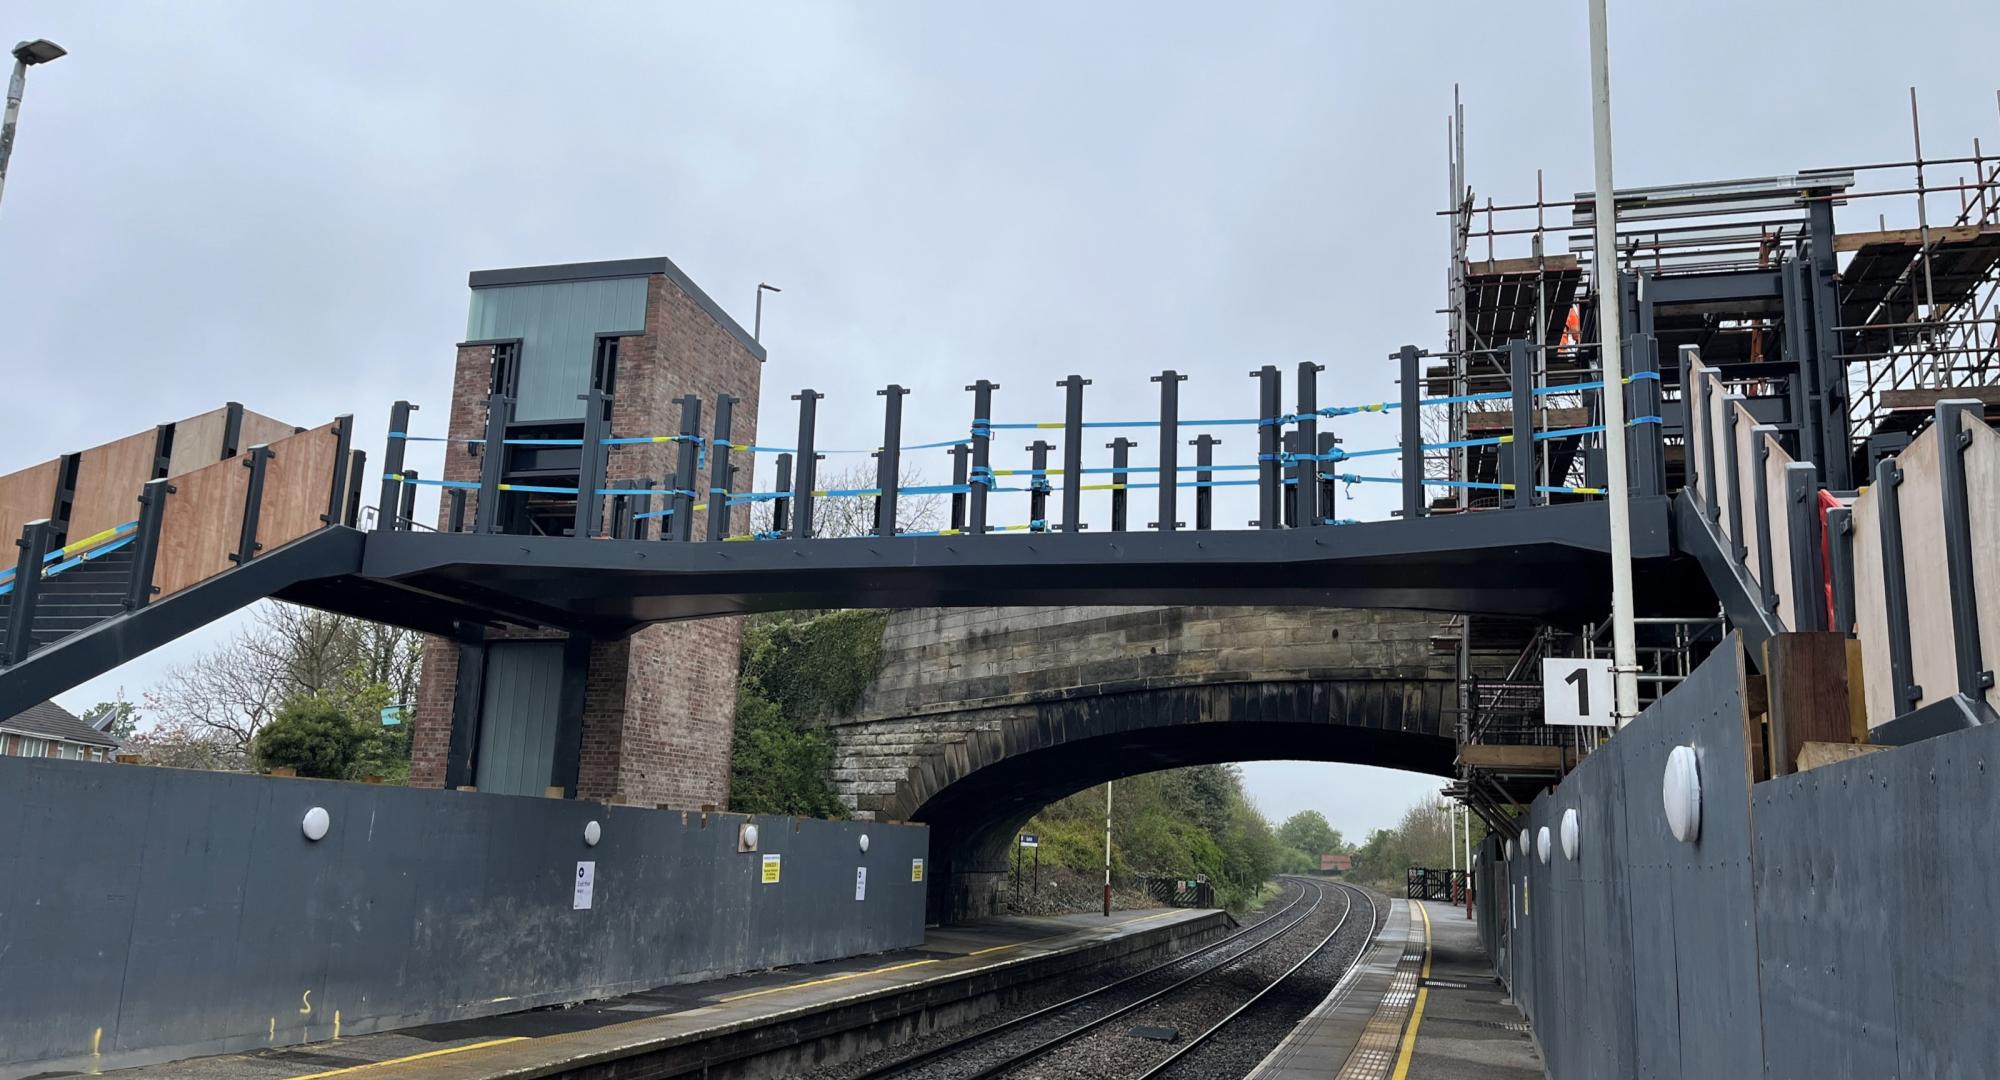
{"x":1604,"y":259}
{"x":26,"y":54}
{"x":1107,"y":849}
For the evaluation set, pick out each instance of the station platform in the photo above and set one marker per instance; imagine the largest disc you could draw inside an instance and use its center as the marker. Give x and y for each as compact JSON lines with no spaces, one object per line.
{"x":1421,"y":1004}
{"x":696,"y":1025}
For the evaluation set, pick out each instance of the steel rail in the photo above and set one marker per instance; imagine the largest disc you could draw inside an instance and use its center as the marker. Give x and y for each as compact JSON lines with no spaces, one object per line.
{"x":1160,"y":1067}
{"x":1011,"y":1062}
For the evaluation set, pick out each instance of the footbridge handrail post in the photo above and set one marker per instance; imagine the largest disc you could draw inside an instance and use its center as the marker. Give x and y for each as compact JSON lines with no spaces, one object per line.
{"x":37,"y":540}
{"x":960,"y":454}
{"x":336,"y":499}
{"x":591,"y":462}
{"x":982,"y":455}
{"x":1307,"y":496}
{"x":1904,"y":693}
{"x":1121,"y":460}
{"x":406,"y":511}
{"x":722,"y":473}
{"x":258,"y":461}
{"x":1760,"y":487}
{"x":1072,"y":500}
{"x":1038,"y":485}
{"x":1649,"y":466}
{"x":1950,"y":417}
{"x":392,"y":464}
{"x":492,"y":465}
{"x":1270,"y":472}
{"x":146,"y":542}
{"x":781,"y":506}
{"x":1521,"y":453}
{"x":1413,"y":433}
{"x":802,"y":482}
{"x":1803,"y":535}
{"x":1170,"y":448}
{"x":687,"y":466}
{"x":1204,"y":495}
{"x":889,"y":459}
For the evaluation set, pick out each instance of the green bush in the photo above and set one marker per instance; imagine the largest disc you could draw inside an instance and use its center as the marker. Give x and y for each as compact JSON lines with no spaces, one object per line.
{"x":311,"y":736}
{"x":798,"y":670}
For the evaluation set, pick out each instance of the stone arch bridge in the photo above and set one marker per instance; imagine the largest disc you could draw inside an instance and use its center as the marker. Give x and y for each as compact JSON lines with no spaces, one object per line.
{"x":981,"y":716}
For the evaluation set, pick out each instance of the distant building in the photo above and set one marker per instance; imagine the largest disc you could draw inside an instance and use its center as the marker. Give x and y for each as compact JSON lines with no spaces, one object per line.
{"x":49,"y":730}
{"x":1337,"y":865}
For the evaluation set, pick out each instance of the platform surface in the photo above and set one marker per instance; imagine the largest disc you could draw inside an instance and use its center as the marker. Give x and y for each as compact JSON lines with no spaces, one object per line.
{"x":1421,"y":1004}
{"x":532,"y":1040}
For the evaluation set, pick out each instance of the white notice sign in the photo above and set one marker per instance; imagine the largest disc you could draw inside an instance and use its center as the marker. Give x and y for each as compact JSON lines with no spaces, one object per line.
{"x":1577,"y":692}
{"x":861,"y":883}
{"x":586,"y":881}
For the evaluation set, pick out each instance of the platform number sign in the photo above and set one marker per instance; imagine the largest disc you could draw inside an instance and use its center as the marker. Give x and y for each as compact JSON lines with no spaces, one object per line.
{"x":1577,"y":692}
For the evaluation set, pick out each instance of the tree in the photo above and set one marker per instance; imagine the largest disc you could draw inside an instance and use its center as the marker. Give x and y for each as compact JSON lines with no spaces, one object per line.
{"x":313,"y":737}
{"x":118,"y":719}
{"x":1309,"y":832}
{"x":836,"y":516}
{"x":212,"y":709}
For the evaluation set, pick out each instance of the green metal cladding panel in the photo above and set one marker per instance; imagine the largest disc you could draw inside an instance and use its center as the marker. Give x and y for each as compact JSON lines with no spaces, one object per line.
{"x":518,"y":716}
{"x":558,"y":324}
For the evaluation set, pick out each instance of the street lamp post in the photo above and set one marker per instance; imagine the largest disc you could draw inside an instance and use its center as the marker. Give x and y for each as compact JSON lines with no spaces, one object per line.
{"x":26,"y":55}
{"x":757,"y":330}
{"x":1604,"y":265}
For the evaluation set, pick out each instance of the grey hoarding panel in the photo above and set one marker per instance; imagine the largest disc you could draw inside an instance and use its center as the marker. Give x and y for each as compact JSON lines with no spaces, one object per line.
{"x":185,"y":912}
{"x":1880,"y":953}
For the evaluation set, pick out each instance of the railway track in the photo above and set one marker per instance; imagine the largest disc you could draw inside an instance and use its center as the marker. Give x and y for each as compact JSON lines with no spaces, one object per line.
{"x":1206,"y":991}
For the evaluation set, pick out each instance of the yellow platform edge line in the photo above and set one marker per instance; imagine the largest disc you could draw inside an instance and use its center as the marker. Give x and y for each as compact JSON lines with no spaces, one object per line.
{"x":412,"y":1057}
{"x":1417,"y":1010}
{"x":821,"y":982}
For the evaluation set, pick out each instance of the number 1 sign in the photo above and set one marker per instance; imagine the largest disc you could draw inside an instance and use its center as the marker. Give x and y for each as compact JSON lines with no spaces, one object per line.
{"x":1576,"y":692}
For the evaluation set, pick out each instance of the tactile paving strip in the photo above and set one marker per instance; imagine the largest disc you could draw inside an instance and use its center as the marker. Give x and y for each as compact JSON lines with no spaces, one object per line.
{"x":1375,"y":1055}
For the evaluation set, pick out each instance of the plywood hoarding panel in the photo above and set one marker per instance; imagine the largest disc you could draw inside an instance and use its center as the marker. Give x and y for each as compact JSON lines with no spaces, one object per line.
{"x":27,"y":495}
{"x":198,"y":442}
{"x":108,"y":481}
{"x":298,"y":482}
{"x":202,"y":526}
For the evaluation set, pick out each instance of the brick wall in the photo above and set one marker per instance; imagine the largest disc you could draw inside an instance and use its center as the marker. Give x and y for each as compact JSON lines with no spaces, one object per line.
{"x":660,"y":706}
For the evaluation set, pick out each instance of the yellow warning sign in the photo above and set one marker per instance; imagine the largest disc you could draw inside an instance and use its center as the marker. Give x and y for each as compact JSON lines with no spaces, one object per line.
{"x":916,"y":869}
{"x":771,"y":869}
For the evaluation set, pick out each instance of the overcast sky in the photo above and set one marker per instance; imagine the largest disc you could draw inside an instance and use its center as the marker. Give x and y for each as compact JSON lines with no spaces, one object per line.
{"x":278,"y":203}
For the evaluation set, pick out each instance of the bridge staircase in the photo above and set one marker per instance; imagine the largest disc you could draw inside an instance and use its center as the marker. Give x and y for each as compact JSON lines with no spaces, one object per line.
{"x":209,"y":539}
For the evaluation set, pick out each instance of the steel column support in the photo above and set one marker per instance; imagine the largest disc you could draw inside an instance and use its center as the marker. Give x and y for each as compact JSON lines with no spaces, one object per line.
{"x":781,"y":506}
{"x":1829,"y":372}
{"x":1204,"y":495}
{"x":1170,"y":448}
{"x":1840,"y":542}
{"x":1760,"y":487}
{"x":1413,"y":433}
{"x":1802,"y":533}
{"x":1308,"y":442}
{"x":1270,"y":473}
{"x":1795,"y":283}
{"x":492,"y":466}
{"x":889,"y":459}
{"x":1649,"y":453}
{"x":1521,"y":452}
{"x":38,"y":538}
{"x":1038,"y":486}
{"x":146,"y":542}
{"x":1974,"y":677}
{"x":257,"y":461}
{"x":1121,"y":459}
{"x":1904,"y":692}
{"x":687,"y":466}
{"x":721,"y":473}
{"x":982,"y":439}
{"x":1072,"y":499}
{"x":392,"y":463}
{"x":802,"y":483}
